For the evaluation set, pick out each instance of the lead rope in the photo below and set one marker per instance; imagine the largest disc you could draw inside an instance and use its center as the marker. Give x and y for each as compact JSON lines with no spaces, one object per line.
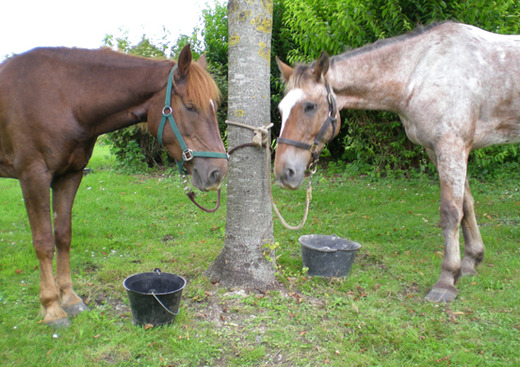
{"x":191,"y":195}
{"x":259,"y":140}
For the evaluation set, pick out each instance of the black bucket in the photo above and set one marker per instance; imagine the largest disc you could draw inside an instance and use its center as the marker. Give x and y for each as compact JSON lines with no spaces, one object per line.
{"x":328,"y":256}
{"x":154,"y":297}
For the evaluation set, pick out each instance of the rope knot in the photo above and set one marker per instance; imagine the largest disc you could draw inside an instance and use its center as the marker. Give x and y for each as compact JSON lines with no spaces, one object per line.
{"x":261,"y":137}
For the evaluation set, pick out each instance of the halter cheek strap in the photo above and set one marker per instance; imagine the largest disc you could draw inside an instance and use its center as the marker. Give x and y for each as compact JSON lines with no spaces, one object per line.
{"x":331,"y":120}
{"x":167,"y":114}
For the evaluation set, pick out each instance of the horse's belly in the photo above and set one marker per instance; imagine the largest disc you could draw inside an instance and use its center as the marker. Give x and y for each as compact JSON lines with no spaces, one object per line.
{"x":6,"y":169}
{"x":6,"y":161}
{"x":502,"y":132}
{"x":414,"y":134}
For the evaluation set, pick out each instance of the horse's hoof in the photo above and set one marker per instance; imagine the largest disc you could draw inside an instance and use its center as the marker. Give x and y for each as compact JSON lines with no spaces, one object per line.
{"x":75,"y":309}
{"x":469,"y":272}
{"x":438,"y":295}
{"x":59,"y":323}
{"x":468,"y":269}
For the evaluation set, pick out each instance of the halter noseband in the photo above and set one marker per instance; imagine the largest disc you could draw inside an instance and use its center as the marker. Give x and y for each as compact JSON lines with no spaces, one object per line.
{"x":331,"y":120}
{"x":167,"y":114}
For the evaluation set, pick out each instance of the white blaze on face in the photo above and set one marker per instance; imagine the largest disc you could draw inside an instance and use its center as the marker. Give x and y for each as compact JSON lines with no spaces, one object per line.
{"x":287,"y":103}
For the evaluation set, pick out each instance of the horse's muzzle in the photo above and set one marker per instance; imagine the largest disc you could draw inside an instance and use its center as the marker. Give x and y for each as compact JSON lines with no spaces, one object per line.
{"x":290,"y":178}
{"x":206,"y":176}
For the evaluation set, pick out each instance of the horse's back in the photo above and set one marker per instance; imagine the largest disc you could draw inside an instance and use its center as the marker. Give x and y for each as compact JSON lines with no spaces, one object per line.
{"x":454,"y":48}
{"x":473,"y":76}
{"x":494,"y":71}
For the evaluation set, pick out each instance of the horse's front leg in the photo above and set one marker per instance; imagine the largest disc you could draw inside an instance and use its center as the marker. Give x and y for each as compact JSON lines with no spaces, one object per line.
{"x":36,"y":193}
{"x":64,"y":191}
{"x":451,"y":161}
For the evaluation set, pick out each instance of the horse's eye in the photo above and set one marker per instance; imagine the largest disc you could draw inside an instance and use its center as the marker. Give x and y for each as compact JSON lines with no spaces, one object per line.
{"x":309,"y":106}
{"x":190,"y":107}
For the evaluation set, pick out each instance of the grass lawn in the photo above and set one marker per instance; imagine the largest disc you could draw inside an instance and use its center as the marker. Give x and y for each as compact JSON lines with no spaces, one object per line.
{"x":126,"y":224}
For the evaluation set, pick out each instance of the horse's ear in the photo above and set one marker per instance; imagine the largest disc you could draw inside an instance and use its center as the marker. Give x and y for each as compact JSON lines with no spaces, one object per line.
{"x":185,"y":60}
{"x":322,"y":65}
{"x":285,"y":69}
{"x":203,"y":62}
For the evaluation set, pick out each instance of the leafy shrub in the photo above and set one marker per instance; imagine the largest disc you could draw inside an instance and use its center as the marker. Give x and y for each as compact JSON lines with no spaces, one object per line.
{"x":137,"y":150}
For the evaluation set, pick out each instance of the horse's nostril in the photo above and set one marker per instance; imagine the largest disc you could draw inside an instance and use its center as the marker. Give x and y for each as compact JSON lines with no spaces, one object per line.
{"x":214,"y":176}
{"x":289,"y":173}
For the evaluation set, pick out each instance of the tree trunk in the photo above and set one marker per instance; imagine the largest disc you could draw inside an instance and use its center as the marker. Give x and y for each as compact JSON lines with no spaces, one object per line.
{"x":249,"y":227}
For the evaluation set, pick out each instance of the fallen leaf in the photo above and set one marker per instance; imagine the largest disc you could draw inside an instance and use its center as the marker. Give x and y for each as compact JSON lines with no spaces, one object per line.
{"x":447,"y":358}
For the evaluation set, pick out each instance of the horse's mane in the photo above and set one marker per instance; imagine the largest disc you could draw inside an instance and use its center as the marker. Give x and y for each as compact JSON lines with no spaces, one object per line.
{"x":386,"y":42}
{"x":300,"y":74}
{"x":201,"y":87}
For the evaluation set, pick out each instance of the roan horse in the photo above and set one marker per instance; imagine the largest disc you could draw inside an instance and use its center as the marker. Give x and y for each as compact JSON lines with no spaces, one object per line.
{"x":54,"y":103}
{"x":455,"y":87}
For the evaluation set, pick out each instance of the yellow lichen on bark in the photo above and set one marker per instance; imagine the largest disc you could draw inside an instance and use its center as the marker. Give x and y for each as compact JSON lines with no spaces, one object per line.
{"x":264,"y":51}
{"x":263,"y":23}
{"x":234,"y":39}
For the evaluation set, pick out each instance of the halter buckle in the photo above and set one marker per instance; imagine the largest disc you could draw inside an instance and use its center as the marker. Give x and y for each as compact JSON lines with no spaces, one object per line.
{"x":187,"y":155}
{"x":313,"y":166}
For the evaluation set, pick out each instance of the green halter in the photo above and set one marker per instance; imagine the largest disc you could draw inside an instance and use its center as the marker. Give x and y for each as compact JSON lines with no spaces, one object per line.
{"x":167,"y":113}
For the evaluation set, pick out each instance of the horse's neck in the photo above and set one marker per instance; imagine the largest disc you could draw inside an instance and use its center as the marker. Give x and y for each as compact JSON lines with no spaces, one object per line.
{"x":373,"y":80}
{"x":122,"y":97}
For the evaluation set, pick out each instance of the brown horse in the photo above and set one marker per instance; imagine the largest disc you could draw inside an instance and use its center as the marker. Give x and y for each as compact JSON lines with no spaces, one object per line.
{"x":455,"y":87}
{"x":54,"y":103}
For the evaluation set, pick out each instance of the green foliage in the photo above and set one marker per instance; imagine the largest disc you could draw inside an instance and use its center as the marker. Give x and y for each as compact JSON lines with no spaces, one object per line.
{"x":137,"y":150}
{"x":375,"y":141}
{"x":495,"y":162}
{"x":144,"y":48}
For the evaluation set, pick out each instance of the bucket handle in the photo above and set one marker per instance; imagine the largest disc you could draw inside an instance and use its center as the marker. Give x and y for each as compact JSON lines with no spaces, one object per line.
{"x":162,"y":304}
{"x":158,"y":271}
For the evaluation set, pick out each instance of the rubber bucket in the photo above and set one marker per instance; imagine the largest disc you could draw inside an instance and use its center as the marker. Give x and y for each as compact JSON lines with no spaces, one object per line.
{"x":154,"y":297}
{"x":328,"y":256}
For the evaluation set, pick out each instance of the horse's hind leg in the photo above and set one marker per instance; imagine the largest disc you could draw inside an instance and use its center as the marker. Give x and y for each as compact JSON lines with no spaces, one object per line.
{"x":64,"y":191}
{"x":36,"y":193}
{"x":473,"y":245}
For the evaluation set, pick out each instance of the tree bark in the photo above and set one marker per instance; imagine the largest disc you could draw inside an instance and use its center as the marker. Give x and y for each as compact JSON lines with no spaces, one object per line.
{"x":249,"y":227}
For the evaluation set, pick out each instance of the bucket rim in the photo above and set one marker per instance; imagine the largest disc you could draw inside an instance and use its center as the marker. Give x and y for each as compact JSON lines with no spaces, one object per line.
{"x":184,"y":283}
{"x":352,"y":245}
